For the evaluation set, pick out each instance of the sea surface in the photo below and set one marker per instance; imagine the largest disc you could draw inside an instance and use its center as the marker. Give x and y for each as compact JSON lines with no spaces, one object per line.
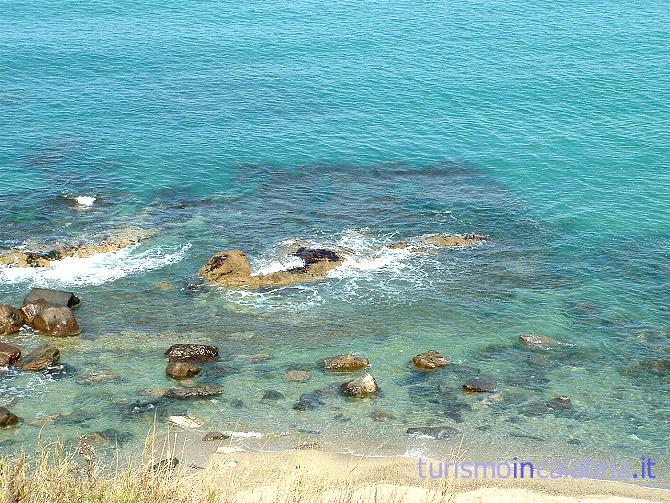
{"x":250,"y":125}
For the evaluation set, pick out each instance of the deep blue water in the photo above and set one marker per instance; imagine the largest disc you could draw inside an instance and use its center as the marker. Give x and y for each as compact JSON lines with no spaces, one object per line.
{"x":352,"y":124}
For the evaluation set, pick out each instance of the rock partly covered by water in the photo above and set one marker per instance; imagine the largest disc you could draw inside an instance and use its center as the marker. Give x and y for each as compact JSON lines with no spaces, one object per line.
{"x":537,"y":342}
{"x":53,"y":297}
{"x":8,"y":354}
{"x":430,"y":360}
{"x":196,"y":391}
{"x":7,"y":418}
{"x":43,"y":255}
{"x":560,"y":403}
{"x":456,"y":240}
{"x":192,"y":352}
{"x":297,"y":376}
{"x":11,"y":320}
{"x":360,"y":387}
{"x":40,"y":359}
{"x":231,"y":269}
{"x":345,"y":363}
{"x":180,"y":370}
{"x":56,"y":321}
{"x":480,"y":386}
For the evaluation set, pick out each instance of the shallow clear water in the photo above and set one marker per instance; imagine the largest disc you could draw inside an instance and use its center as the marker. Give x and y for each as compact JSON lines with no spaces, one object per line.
{"x":247,"y":125}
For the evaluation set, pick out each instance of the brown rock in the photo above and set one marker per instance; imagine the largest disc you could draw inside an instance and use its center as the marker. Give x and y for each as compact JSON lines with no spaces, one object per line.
{"x":32,"y":309}
{"x":480,"y":386}
{"x":298,"y":376}
{"x":231,"y":269}
{"x":456,"y":241}
{"x":8,"y":354}
{"x":54,"y":297}
{"x":360,"y":387}
{"x":197,"y":391}
{"x":56,"y":321}
{"x":537,"y":342}
{"x":7,"y":418}
{"x":11,"y":320}
{"x":214,"y":436}
{"x":40,"y":359}
{"x":345,"y":363}
{"x":430,"y":360}
{"x":179,"y":370}
{"x":192,"y":352}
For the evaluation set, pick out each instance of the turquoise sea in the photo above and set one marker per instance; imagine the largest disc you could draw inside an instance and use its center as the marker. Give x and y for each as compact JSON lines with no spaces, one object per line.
{"x":545,"y":125}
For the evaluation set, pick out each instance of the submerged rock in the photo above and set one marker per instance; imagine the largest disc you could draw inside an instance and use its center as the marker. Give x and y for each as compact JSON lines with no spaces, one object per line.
{"x":192,"y":352}
{"x":180,"y":370}
{"x":11,"y":320}
{"x":436,"y":432}
{"x":40,"y":359}
{"x":196,"y":391}
{"x":231,"y":269}
{"x":7,"y":418}
{"x":380,"y":416}
{"x":360,"y":387}
{"x":53,"y":297}
{"x":560,"y":403}
{"x":430,"y":360}
{"x":537,"y":342}
{"x":480,"y":386}
{"x":456,"y":240}
{"x":297,"y":376}
{"x":272,"y":395}
{"x":56,"y":321}
{"x":308,"y":401}
{"x":8,"y":354}
{"x":345,"y":363}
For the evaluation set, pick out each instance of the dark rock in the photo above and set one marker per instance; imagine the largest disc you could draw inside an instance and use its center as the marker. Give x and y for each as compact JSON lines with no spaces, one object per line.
{"x":195,"y":352}
{"x":197,"y":391}
{"x":180,"y":370}
{"x":308,"y":401}
{"x":380,"y":416}
{"x":308,"y":446}
{"x":560,"y":403}
{"x":165,"y":465}
{"x":144,"y":407}
{"x":8,"y":354}
{"x":11,"y":320}
{"x":56,"y":321}
{"x":345,"y":363}
{"x":437,"y":432}
{"x":480,"y":386}
{"x":429,"y":360}
{"x":213,"y":436}
{"x":657,"y":367}
{"x":272,"y":395}
{"x":54,"y":297}
{"x":7,"y":418}
{"x":537,"y":342}
{"x":313,"y":256}
{"x":360,"y":387}
{"x":40,"y":359}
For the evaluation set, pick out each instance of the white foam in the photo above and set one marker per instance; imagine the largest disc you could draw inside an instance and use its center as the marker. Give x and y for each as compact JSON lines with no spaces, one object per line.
{"x":244,"y":434}
{"x":86,"y":201}
{"x":94,"y":270}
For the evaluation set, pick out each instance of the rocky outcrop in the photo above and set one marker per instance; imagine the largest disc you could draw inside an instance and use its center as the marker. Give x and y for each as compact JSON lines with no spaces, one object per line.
{"x":181,"y":370}
{"x":360,"y":387}
{"x":40,"y":359}
{"x":8,"y":354}
{"x":430,"y":360}
{"x":56,"y":321}
{"x":42,"y":255}
{"x":192,"y":353}
{"x":345,"y":363}
{"x":537,"y":342}
{"x":53,"y":297}
{"x":7,"y":418}
{"x":196,"y":391}
{"x":480,"y":386}
{"x":231,"y":269}
{"x":11,"y":320}
{"x":456,"y":240}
